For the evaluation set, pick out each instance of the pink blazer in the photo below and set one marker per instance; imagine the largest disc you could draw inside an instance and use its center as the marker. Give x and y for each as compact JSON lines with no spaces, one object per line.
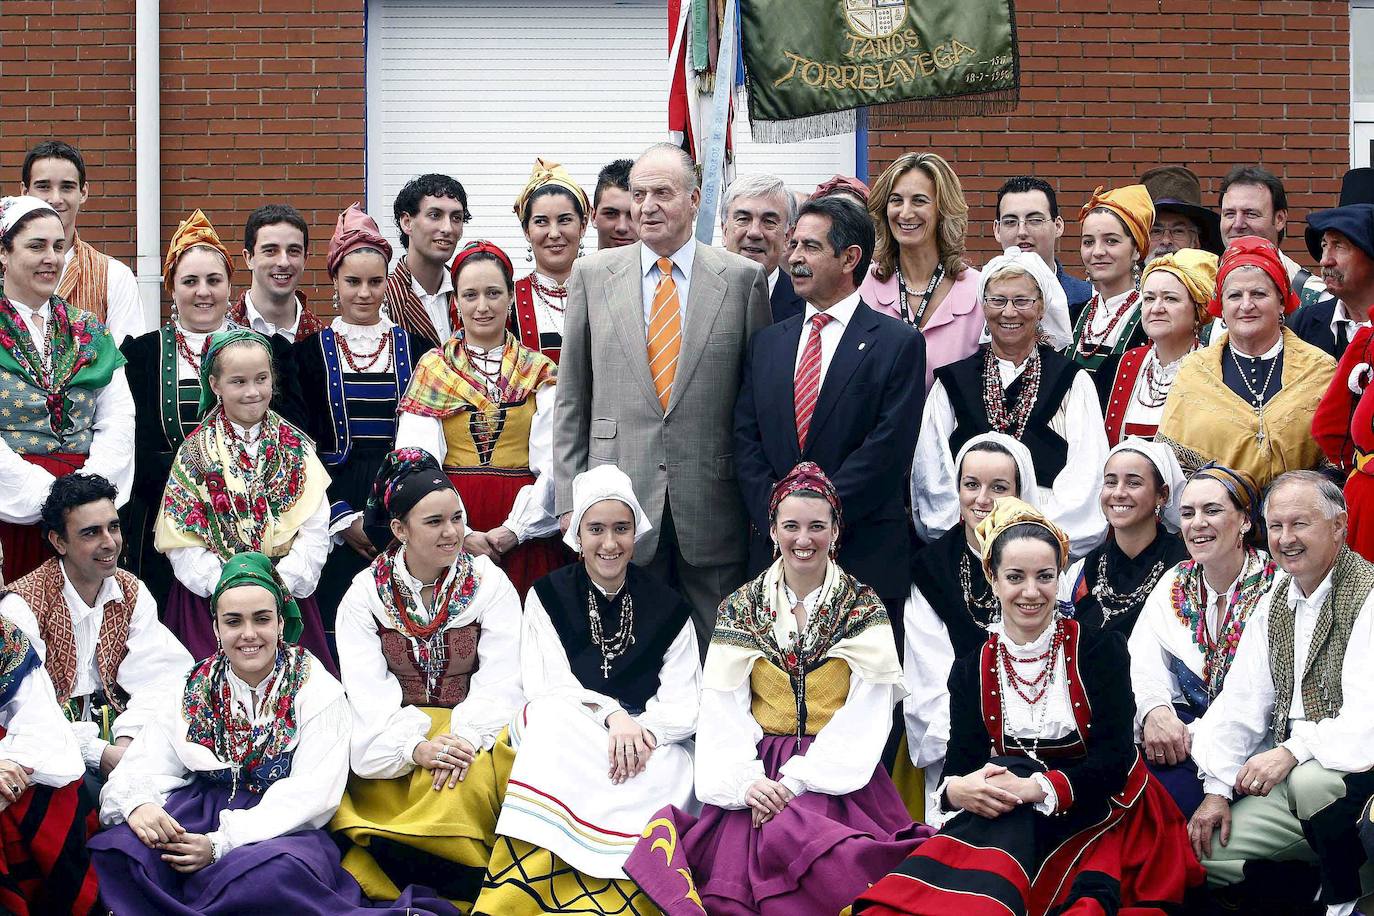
{"x":951,"y":333}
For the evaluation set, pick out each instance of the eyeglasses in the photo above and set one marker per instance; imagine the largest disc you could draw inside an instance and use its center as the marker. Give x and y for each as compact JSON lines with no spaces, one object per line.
{"x":1012,"y":223}
{"x":1175,"y":233}
{"x":1020,"y":303}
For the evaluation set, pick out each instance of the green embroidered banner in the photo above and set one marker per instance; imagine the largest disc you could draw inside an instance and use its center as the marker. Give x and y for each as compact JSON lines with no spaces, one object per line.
{"x":811,"y":62}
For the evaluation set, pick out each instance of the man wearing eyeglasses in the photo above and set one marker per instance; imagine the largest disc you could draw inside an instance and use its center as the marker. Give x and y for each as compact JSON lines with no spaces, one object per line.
{"x":430,"y":212}
{"x":1028,"y":218}
{"x":1181,"y":221}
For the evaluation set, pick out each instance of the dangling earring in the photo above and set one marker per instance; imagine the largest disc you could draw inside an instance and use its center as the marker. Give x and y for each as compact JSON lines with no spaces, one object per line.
{"x":777,"y":550}
{"x":1135,"y":274}
{"x":581,"y":248}
{"x":834,"y":548}
{"x":529,"y":253}
{"x":336,"y":300}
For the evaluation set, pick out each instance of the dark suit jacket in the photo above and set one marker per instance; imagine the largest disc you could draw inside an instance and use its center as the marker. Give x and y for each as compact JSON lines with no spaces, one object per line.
{"x":1312,"y":323}
{"x":863,"y":434}
{"x":784,"y":301}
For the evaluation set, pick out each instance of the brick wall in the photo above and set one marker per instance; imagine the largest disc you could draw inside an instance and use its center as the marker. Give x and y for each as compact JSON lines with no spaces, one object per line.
{"x":261,"y":101}
{"x":1111,"y":88}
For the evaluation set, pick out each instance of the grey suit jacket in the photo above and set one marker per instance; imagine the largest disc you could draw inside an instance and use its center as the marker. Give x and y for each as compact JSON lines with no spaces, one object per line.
{"x":608,"y":412}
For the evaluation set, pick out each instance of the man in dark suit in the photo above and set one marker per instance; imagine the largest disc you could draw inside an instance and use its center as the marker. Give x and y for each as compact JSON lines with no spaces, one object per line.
{"x":858,"y":419}
{"x":756,"y":216}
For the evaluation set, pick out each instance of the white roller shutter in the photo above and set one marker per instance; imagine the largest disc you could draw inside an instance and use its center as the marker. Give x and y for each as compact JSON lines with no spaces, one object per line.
{"x":478,"y":88}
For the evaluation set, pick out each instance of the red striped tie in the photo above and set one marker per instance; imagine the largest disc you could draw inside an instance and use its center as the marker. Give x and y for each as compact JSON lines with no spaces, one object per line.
{"x":807,"y":384}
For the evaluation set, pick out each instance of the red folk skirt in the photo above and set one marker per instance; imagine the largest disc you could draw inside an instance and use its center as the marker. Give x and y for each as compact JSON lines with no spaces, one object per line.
{"x":488,"y":494}
{"x":25,"y":549}
{"x":45,"y":867}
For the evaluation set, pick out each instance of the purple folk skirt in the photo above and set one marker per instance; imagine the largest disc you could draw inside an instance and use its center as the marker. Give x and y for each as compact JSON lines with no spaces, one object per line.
{"x":814,"y":858}
{"x":187,"y":615}
{"x":298,"y":873}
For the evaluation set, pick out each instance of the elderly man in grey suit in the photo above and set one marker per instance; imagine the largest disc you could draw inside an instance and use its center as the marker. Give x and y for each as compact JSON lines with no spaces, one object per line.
{"x":653,"y":344}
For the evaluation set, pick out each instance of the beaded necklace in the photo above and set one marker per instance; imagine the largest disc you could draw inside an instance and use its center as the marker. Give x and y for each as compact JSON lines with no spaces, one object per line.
{"x":624,"y":637}
{"x":405,"y":611}
{"x":371,"y":359}
{"x":184,"y":349}
{"x":987,"y":603}
{"x":1159,"y":378}
{"x":1188,"y":597}
{"x":1113,"y":603}
{"x":1013,"y":421}
{"x":1007,"y":676}
{"x":1087,"y":348}
{"x":1256,"y":397}
{"x":546,"y":294}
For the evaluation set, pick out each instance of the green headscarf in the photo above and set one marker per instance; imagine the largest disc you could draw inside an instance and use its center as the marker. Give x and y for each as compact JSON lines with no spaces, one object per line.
{"x":218,"y":341}
{"x":257,"y":569}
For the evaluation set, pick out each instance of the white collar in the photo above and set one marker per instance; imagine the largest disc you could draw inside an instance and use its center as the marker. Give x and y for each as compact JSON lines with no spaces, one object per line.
{"x":362,"y":331}
{"x":1211,"y":595}
{"x":773,"y":279}
{"x":1271,"y":353}
{"x":840,"y":313}
{"x":249,"y":434}
{"x":1035,"y":646}
{"x":1318,"y":594}
{"x":199,"y":336}
{"x":682,"y":258}
{"x":1340,"y":316}
{"x":545,"y":280}
{"x":414,"y":584}
{"x":109,"y":591}
{"x":253,"y":315}
{"x":445,"y":284}
{"x":26,"y":310}
{"x":1114,"y":301}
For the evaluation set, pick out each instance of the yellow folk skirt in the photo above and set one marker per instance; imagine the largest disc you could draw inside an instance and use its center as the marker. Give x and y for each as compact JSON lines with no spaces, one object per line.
{"x":523,"y":880}
{"x":403,"y":832}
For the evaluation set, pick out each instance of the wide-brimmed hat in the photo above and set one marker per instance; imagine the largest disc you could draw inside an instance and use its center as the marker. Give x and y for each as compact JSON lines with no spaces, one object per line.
{"x":1357,"y":187}
{"x":1175,"y":188}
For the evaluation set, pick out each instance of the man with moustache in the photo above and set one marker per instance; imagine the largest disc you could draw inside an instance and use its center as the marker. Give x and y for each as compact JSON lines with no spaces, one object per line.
{"x":276,"y":237}
{"x":1287,"y":747}
{"x":1254,"y":202}
{"x":94,"y":625}
{"x":1342,"y":241}
{"x":840,"y":385}
{"x":653,"y":344}
{"x":611,"y":206}
{"x":756,"y":216}
{"x":55,"y":173}
{"x":430,"y":212}
{"x":1028,"y":218}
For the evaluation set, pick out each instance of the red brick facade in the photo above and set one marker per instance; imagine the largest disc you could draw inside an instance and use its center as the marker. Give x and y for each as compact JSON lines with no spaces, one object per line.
{"x":1111,"y":88}
{"x":260,"y":102}
{"x":264,"y":101}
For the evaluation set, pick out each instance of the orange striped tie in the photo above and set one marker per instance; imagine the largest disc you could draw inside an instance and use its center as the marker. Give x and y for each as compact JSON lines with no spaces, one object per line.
{"x":665,"y":332}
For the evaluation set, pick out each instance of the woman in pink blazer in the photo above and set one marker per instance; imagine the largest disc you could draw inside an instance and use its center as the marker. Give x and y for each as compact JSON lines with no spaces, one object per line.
{"x":919,"y":273}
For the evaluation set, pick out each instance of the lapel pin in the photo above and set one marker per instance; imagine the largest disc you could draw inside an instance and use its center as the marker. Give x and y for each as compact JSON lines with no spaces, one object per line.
{"x":862,"y":344}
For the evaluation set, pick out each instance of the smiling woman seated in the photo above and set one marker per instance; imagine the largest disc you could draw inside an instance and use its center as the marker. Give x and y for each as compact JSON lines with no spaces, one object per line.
{"x":1043,"y":778}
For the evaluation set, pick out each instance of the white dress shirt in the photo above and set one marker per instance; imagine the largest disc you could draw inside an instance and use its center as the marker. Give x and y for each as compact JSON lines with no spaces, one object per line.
{"x":123,"y":310}
{"x":1102,"y":319}
{"x":1071,"y":500}
{"x":682,"y":276}
{"x":25,"y":486}
{"x":1238,"y":723}
{"x":773,"y":279}
{"x":266,"y":328}
{"x":841,"y":313}
{"x":198,"y":568}
{"x":436,"y":304}
{"x":385,"y":732}
{"x":156,"y":660}
{"x":37,"y":735}
{"x":1342,"y":317}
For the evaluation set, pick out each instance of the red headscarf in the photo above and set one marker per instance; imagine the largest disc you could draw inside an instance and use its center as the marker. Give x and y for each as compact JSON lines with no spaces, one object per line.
{"x":472,"y":248}
{"x":354,"y":230}
{"x":841,"y":183}
{"x":1253,"y":251}
{"x":806,"y":476}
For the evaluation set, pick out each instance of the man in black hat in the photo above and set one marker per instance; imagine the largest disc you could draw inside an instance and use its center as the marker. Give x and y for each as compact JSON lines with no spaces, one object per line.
{"x":1342,"y":240}
{"x":1181,"y":221}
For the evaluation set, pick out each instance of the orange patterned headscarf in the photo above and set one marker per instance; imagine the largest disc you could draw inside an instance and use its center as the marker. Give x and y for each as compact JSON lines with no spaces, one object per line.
{"x":1132,"y":205}
{"x":193,"y":231}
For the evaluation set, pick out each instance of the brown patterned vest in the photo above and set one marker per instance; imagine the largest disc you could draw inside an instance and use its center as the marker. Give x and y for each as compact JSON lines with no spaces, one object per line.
{"x":1352,"y":579}
{"x":42,"y":592}
{"x":460,"y":644}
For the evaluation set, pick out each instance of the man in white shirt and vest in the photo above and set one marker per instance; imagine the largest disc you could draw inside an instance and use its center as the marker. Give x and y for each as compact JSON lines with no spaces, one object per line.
{"x":1285,"y":750}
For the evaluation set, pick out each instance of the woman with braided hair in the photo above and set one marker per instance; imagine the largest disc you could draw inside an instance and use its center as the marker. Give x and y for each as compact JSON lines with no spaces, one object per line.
{"x":217,"y":807}
{"x":429,"y":647}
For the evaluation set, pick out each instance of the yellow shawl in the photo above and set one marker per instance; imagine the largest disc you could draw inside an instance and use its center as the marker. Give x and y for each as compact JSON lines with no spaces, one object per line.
{"x":1206,"y":421}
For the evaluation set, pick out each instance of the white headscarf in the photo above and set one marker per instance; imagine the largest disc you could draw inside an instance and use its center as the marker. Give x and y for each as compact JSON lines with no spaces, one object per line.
{"x":1025,"y":467}
{"x":592,"y":486}
{"x":1055,"y":322}
{"x":13,"y":209}
{"x":1166,"y":463}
